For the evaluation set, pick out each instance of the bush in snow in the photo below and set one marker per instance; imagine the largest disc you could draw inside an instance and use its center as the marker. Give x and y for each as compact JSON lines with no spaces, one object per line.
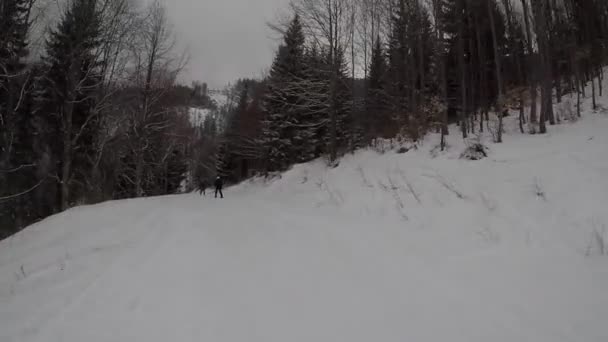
{"x":475,"y":150}
{"x":403,"y":150}
{"x":566,"y":111}
{"x":437,"y":150}
{"x":399,"y":144}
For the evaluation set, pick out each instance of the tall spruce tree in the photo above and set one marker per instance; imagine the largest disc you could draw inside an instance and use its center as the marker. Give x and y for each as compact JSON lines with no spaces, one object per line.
{"x":284,"y":100}
{"x":341,"y":100}
{"x":411,"y":53}
{"x":13,"y":47}
{"x":229,"y":145}
{"x":471,"y":76}
{"x":67,"y":95}
{"x":377,"y":120}
{"x":17,"y":170}
{"x":317,"y":89}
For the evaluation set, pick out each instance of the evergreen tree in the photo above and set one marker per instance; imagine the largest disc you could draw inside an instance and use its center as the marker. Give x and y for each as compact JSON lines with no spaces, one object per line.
{"x":284,"y":100}
{"x":68,"y":95}
{"x":17,"y":171}
{"x":398,"y":55}
{"x":470,"y":42}
{"x":314,"y":127}
{"x":411,"y":53}
{"x":229,"y":147}
{"x":342,"y":100}
{"x":13,"y":47}
{"x":209,"y":129}
{"x":376,"y":100}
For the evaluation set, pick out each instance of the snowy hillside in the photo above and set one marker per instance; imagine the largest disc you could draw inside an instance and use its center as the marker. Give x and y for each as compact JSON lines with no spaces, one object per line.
{"x":198,"y":115}
{"x":218,"y":97}
{"x":389,"y":247}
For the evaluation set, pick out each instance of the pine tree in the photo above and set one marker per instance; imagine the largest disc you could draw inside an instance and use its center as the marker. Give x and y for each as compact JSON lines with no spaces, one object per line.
{"x":67,"y":93}
{"x":376,"y":100}
{"x":341,"y":100}
{"x":284,"y":98}
{"x":411,"y":53}
{"x":317,"y":105}
{"x":398,"y":55}
{"x":13,"y":47}
{"x":230,"y":141}
{"x":472,"y":77}
{"x":17,"y":171}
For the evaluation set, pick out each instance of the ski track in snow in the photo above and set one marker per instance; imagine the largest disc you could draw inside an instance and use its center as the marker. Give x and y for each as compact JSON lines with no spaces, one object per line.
{"x":382,"y":248}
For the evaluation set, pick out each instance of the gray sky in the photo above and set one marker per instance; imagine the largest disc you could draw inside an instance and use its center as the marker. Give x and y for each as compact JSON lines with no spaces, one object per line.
{"x":226,"y":39}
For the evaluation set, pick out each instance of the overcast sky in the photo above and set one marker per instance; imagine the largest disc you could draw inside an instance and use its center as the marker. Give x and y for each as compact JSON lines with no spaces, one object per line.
{"x":226,"y":39}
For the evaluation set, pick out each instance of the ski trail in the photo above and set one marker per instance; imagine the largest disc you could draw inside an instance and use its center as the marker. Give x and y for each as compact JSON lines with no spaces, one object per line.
{"x":151,"y":228}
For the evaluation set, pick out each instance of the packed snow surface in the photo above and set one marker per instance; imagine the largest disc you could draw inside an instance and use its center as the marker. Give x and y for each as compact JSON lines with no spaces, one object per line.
{"x":421,"y":246}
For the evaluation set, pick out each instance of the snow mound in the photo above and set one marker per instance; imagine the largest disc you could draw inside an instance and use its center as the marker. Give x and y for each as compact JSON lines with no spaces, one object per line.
{"x":422,"y":246}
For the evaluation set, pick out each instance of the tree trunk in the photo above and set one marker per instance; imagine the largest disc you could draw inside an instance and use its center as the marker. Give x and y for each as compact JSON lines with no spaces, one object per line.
{"x":497,"y":63}
{"x":66,"y":168}
{"x":539,"y":8}
{"x":583,"y":86}
{"x":139,"y":172}
{"x":67,"y":122}
{"x":593,"y":94}
{"x":355,"y":120}
{"x":578,"y":103}
{"x":483,"y":98}
{"x":558,"y":89}
{"x":463,"y":73}
{"x":599,"y":81}
{"x":550,"y":111}
{"x":442,"y":72}
{"x":473,"y":96}
{"x":542,"y":122}
{"x":333,"y":128}
{"x":533,"y":87}
{"x":522,"y":115}
{"x":520,"y":76}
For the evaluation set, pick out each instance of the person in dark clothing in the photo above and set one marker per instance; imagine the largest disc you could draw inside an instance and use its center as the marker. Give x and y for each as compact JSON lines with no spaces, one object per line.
{"x":202,"y":187}
{"x":219,"y":184}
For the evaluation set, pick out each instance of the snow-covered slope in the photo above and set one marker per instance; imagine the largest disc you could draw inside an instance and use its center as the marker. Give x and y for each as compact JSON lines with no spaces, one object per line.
{"x":198,"y":115}
{"x":385,"y":247}
{"x":219,"y":97}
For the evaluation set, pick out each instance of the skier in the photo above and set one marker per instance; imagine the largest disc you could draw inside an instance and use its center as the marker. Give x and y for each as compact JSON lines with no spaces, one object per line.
{"x":219,"y":184}
{"x":202,"y":187}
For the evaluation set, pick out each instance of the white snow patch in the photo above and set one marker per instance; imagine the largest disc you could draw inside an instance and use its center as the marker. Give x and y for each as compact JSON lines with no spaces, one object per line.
{"x":198,"y":115}
{"x":219,"y":97}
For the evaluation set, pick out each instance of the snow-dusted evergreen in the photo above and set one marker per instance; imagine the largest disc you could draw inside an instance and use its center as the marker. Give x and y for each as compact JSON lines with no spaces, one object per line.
{"x":378,"y":121}
{"x":285,"y":100}
{"x":308,"y":102}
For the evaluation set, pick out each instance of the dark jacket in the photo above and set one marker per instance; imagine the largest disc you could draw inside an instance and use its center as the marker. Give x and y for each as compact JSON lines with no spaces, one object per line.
{"x":219,"y":183}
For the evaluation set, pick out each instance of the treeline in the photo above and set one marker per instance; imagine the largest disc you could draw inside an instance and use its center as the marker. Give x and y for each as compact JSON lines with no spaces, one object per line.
{"x":348,"y":72}
{"x":97,"y":116}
